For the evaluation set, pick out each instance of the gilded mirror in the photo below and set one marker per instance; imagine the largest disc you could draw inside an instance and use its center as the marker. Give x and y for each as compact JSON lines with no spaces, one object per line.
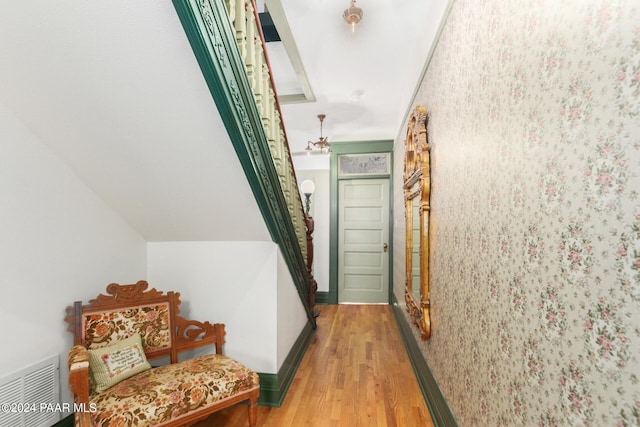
{"x":417,"y":189}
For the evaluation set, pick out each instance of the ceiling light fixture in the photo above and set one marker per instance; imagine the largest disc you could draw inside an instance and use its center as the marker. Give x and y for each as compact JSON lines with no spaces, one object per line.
{"x":322,"y":143}
{"x":352,"y":15}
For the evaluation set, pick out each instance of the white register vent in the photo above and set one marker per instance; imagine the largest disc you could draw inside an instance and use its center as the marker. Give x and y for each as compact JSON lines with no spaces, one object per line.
{"x":30,"y":397}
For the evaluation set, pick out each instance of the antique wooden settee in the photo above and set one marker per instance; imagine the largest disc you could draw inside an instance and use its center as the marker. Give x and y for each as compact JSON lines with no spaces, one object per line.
{"x":112,"y":380}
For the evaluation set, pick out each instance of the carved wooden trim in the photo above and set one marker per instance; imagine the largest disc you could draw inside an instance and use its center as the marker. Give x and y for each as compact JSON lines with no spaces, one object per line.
{"x":121,"y":294}
{"x":416,"y":155}
{"x":72,"y":320}
{"x":118,"y":295}
{"x":185,"y":334}
{"x":192,"y":333}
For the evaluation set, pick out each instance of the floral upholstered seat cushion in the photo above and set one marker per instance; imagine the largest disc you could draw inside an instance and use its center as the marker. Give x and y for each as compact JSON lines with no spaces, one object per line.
{"x":167,"y":392}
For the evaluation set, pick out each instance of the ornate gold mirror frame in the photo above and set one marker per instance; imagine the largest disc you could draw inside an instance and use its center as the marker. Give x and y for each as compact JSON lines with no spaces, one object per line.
{"x":417,"y":189}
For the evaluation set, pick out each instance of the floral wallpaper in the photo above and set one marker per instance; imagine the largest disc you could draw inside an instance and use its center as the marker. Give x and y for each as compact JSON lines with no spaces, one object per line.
{"x":534,"y":128}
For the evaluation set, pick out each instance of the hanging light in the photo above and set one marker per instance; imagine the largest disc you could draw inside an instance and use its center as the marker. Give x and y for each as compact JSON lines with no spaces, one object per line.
{"x":322,"y":143}
{"x":352,"y":15}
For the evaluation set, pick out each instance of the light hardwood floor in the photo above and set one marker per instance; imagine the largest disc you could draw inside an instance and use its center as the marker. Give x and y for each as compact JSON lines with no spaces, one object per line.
{"x":355,"y":373}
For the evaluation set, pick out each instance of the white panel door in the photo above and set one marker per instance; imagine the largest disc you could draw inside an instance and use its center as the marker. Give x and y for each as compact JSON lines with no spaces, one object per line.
{"x":363,"y":236}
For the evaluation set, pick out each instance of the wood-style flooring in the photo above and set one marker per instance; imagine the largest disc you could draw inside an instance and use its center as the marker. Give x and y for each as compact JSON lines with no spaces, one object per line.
{"x":355,"y":373}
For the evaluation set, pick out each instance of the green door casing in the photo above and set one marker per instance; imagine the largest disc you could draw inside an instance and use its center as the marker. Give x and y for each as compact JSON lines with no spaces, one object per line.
{"x":363,"y":241}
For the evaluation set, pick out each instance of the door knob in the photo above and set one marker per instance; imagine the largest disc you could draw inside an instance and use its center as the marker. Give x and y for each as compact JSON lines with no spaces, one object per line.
{"x":384,"y":247}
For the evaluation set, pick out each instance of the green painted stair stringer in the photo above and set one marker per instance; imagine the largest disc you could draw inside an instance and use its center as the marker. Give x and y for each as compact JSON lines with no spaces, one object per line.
{"x":209,"y":32}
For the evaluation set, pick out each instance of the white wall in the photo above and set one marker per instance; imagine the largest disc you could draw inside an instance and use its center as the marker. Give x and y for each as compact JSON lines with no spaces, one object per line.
{"x":58,"y":243}
{"x":320,"y":211}
{"x":290,"y":312}
{"x":235,"y":283}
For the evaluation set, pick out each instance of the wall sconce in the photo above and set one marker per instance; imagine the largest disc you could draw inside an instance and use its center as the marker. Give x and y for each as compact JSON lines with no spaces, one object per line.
{"x":307,"y":187}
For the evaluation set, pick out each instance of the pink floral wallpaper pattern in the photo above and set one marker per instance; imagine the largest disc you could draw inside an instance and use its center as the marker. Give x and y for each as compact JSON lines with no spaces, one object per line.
{"x":534,"y":127}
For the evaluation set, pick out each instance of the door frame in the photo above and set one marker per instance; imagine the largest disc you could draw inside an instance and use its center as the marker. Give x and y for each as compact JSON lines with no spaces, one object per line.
{"x":360,"y":147}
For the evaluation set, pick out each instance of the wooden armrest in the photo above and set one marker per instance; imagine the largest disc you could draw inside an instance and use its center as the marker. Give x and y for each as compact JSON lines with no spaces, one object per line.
{"x":78,"y":363}
{"x":192,"y":334}
{"x":78,"y":358}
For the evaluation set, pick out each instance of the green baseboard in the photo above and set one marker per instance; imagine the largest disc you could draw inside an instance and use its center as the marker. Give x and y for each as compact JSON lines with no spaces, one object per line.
{"x":65,"y":422}
{"x":274,"y":387}
{"x":322,"y":298}
{"x":438,"y":408}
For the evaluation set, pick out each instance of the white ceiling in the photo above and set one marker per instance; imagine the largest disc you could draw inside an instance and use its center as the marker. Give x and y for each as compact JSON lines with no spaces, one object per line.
{"x":113,"y":88}
{"x":382,"y":60}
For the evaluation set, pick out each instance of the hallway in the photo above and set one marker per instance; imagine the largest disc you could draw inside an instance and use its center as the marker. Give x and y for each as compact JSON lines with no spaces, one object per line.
{"x":355,"y":373}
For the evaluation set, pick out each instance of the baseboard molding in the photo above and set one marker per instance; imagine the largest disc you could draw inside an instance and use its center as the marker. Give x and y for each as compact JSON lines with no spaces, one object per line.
{"x":274,"y":387}
{"x":322,"y":298}
{"x":440,"y":412}
{"x":65,"y":422}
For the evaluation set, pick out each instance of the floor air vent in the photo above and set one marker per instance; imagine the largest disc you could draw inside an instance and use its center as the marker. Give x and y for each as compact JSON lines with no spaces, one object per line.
{"x":30,"y":397}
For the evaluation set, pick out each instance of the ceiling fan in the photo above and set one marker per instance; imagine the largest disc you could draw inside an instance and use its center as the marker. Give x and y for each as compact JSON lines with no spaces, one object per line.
{"x":322,"y":143}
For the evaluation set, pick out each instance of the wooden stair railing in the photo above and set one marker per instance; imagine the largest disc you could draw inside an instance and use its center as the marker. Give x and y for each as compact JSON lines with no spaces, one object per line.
{"x":228,"y":43}
{"x":244,"y":19}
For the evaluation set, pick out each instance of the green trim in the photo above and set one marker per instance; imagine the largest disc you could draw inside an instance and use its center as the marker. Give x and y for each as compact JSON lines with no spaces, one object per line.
{"x":212,"y":39}
{"x":322,"y":297}
{"x":269,"y":390}
{"x":380,"y":146}
{"x":274,"y":387}
{"x":440,"y":412}
{"x":337,"y":148}
{"x":65,"y":422}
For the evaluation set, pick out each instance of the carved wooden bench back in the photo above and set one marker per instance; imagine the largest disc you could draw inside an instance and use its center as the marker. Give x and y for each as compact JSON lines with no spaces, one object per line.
{"x":153,"y":314}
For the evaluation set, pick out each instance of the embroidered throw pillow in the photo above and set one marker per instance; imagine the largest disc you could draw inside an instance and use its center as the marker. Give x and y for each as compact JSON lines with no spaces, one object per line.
{"x":110,"y":365}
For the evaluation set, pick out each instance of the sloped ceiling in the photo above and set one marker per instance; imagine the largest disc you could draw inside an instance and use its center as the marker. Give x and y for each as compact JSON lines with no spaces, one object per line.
{"x":113,"y":88}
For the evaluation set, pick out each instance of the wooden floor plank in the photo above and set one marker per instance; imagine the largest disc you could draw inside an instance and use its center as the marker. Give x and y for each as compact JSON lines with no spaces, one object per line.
{"x":355,"y":373}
